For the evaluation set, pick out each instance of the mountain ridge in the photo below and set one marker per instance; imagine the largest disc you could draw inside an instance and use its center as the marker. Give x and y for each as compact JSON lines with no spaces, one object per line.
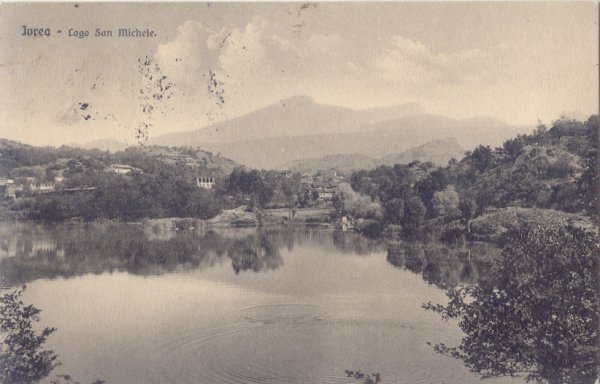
{"x":438,"y":151}
{"x":298,"y":128}
{"x":298,"y":115}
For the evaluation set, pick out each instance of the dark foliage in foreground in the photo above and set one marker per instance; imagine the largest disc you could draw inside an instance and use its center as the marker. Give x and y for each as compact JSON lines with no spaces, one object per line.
{"x":538,"y":316}
{"x":23,"y":359}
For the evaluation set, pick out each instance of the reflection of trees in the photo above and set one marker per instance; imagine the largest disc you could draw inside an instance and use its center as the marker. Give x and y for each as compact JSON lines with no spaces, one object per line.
{"x":537,"y":312}
{"x":440,"y":264}
{"x":396,"y":257}
{"x":256,"y":253}
{"x":349,"y":242}
{"x":89,"y":248}
{"x":74,"y":249}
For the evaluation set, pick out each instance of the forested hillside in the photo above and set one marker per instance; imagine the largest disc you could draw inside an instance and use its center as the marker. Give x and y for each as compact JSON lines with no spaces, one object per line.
{"x":552,"y":168}
{"x":56,"y":184}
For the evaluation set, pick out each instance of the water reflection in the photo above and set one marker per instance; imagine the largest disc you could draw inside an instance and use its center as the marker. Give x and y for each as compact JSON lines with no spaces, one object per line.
{"x":255,"y":253}
{"x":512,"y":303}
{"x":444,"y":265}
{"x":30,"y":251}
{"x":322,"y":291}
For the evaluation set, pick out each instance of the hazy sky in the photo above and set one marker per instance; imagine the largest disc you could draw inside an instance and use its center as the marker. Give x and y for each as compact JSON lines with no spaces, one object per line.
{"x":513,"y":61}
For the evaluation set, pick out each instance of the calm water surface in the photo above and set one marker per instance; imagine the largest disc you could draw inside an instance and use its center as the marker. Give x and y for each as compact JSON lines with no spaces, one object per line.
{"x":153,"y":306}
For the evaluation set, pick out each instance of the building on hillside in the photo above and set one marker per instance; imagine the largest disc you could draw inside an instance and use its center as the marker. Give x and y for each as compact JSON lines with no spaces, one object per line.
{"x":78,"y":189}
{"x":4,"y":182}
{"x":13,"y":191}
{"x":122,"y":169}
{"x":287,"y":174}
{"x":325,"y":193}
{"x":306,"y":178}
{"x":17,"y":190}
{"x":174,"y":158}
{"x":205,"y":182}
{"x":47,"y":187}
{"x":7,"y":187}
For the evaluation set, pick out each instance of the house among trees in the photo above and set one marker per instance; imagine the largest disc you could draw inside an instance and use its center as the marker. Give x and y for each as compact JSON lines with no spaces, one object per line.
{"x":47,"y":187}
{"x":174,"y":158}
{"x":12,"y":190}
{"x":325,"y":193}
{"x":122,"y":169}
{"x":4,"y":182}
{"x":7,"y":187}
{"x":205,"y":182}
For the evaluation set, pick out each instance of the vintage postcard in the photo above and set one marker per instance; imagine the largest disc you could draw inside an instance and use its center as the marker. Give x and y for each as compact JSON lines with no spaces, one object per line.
{"x":299,"y":192}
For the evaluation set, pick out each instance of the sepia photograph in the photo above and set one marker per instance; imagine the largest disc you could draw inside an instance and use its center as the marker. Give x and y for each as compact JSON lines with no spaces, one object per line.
{"x":361,"y":192}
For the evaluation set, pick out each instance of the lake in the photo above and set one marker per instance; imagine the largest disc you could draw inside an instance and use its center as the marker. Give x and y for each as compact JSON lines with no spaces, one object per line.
{"x":147,"y":304}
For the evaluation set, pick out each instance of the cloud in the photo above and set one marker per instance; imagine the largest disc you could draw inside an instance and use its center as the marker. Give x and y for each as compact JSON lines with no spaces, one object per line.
{"x":413,"y":63}
{"x":192,"y":53}
{"x":233,"y":53}
{"x":216,"y":69}
{"x":245,"y":49}
{"x":324,"y":43}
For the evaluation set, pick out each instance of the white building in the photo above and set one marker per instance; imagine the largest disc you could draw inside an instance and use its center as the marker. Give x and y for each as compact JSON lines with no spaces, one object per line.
{"x":44,"y":187}
{"x":205,"y":182}
{"x":122,"y":169}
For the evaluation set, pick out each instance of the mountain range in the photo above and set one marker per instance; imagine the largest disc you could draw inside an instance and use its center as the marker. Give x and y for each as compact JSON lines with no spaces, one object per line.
{"x":298,"y":128}
{"x":107,"y":144}
{"x":294,"y":116}
{"x":438,"y":152}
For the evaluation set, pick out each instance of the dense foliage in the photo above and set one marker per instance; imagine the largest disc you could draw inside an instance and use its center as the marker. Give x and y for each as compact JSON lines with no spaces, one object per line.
{"x":537,"y":314}
{"x":162,"y":183}
{"x":157,"y":187}
{"x":168,"y":192}
{"x":23,"y":359}
{"x":552,"y":168}
{"x":347,"y":201}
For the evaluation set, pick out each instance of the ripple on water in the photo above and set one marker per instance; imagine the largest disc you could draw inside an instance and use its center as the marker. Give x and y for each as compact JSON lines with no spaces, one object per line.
{"x":292,"y":343}
{"x":283,"y":313}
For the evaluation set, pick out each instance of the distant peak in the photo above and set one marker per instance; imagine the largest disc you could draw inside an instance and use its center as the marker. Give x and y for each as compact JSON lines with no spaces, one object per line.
{"x":484,"y":120}
{"x":298,"y":99}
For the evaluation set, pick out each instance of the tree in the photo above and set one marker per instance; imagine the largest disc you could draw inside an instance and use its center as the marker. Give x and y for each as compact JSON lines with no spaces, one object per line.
{"x":587,"y":183}
{"x":394,"y":210}
{"x":446,"y":203}
{"x":202,"y":204}
{"x":437,"y":180}
{"x":250,"y":184}
{"x":537,"y":314}
{"x":414,"y":215}
{"x":482,"y":157}
{"x":291,"y":188}
{"x":467,"y":206}
{"x":23,"y":360}
{"x":347,"y":201}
